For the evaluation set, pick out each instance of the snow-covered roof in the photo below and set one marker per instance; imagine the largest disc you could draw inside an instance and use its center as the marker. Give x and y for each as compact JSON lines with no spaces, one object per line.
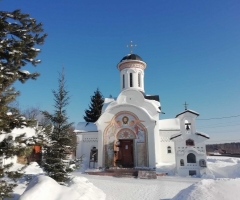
{"x":106,"y":102}
{"x":169,"y":124}
{"x":197,"y":133}
{"x":83,"y":127}
{"x":203,"y":134}
{"x":191,"y":111}
{"x":175,"y":136}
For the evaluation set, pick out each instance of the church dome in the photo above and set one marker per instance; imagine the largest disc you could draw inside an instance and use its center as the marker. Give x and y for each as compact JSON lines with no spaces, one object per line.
{"x":131,"y":57}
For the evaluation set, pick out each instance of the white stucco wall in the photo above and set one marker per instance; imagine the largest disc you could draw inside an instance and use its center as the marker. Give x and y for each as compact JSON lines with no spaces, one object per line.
{"x":181,"y":151}
{"x":167,"y":127}
{"x":135,"y":80}
{"x":86,"y":141}
{"x":164,"y":143}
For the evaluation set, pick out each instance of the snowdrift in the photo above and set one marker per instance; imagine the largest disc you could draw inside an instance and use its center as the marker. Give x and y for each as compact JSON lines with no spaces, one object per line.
{"x":33,"y":168}
{"x":224,"y":167}
{"x":43,"y":187}
{"x":211,"y":190}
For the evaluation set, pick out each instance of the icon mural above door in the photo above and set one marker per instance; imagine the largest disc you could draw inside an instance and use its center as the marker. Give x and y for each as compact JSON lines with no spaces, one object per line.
{"x":126,"y":133}
{"x":125,"y":126}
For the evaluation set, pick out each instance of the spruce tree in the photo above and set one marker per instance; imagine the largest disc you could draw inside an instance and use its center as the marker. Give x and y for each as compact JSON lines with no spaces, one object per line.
{"x":19,"y":35}
{"x":95,"y":107}
{"x":61,"y":138}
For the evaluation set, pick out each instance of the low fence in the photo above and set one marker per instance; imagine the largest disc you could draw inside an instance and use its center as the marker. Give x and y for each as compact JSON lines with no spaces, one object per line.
{"x":227,"y":155}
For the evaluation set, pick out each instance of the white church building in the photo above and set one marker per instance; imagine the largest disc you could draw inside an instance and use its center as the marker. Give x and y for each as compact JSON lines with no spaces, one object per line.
{"x":129,"y":133}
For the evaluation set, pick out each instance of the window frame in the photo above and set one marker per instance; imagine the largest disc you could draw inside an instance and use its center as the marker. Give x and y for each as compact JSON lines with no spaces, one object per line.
{"x":191,"y":158}
{"x":169,"y":149}
{"x":131,"y":79}
{"x":139,"y":79}
{"x":192,"y":172}
{"x":181,"y":162}
{"x":190,"y":142}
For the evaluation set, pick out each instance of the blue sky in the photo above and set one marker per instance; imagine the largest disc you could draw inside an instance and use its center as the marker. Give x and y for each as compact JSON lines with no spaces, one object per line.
{"x":191,"y":49}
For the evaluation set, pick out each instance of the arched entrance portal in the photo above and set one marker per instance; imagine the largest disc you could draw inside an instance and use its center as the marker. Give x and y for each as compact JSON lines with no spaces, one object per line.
{"x":124,"y":155}
{"x":125,"y":141}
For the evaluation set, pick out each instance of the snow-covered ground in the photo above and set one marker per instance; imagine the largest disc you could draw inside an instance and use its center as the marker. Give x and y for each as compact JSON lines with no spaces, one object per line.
{"x":225,"y":185}
{"x":137,"y":189}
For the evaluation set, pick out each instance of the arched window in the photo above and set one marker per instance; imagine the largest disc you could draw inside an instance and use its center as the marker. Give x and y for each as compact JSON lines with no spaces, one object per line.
{"x":191,"y":158}
{"x":169,"y":149}
{"x":181,"y":162}
{"x":187,"y":125}
{"x":189,"y":142}
{"x":139,"y":80}
{"x":131,"y":80}
{"x":93,"y":154}
{"x":123,"y":81}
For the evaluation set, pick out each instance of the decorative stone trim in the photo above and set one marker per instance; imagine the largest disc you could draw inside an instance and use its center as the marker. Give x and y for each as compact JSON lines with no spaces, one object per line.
{"x":165,"y":139}
{"x":131,"y":65}
{"x":193,"y":167}
{"x":126,"y":133}
{"x":90,"y":140}
{"x":187,"y":149}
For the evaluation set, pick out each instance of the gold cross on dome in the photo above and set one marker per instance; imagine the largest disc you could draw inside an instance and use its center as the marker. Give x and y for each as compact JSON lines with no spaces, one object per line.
{"x":185,"y":105}
{"x":131,"y":45}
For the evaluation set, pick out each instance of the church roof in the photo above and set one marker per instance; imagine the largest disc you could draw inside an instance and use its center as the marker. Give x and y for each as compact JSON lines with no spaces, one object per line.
{"x":203,"y":135}
{"x":169,"y":124}
{"x":131,"y":57}
{"x":106,"y":102}
{"x":197,"y":133}
{"x":150,"y":97}
{"x":83,"y":127}
{"x":191,"y":111}
{"x":175,"y":136}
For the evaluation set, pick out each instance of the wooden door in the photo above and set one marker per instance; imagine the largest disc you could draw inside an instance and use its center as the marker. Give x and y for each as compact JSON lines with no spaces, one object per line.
{"x":127,"y":153}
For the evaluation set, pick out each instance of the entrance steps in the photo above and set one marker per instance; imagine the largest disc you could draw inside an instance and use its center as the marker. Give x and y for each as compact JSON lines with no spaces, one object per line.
{"x":127,"y":172}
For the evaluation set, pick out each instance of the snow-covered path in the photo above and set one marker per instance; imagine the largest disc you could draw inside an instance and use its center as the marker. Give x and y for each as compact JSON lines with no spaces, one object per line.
{"x":139,"y":189}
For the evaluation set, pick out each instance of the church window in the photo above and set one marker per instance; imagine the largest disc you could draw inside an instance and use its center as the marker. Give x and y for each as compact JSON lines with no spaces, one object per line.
{"x":189,"y":142}
{"x":169,"y":149}
{"x":191,"y":158}
{"x":192,"y":172}
{"x":131,"y":80}
{"x":93,"y":154}
{"x":123,"y":81}
{"x":181,"y":162}
{"x":139,"y":80}
{"x":202,"y":163}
